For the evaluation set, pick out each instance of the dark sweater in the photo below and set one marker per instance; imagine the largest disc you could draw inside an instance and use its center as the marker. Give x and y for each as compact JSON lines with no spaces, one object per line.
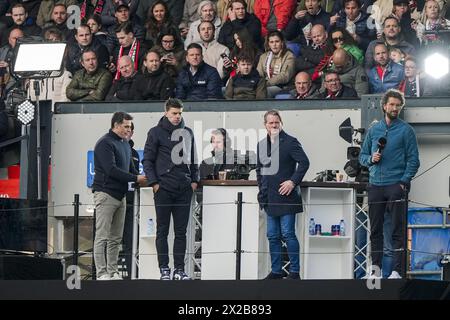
{"x":113,"y":166}
{"x":158,"y":165}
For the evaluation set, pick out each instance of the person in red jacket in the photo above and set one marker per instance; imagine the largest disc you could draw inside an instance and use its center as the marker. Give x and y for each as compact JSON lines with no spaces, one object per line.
{"x":274,"y":14}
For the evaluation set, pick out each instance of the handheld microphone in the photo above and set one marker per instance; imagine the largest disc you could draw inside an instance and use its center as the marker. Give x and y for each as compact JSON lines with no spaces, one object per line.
{"x":381,"y":144}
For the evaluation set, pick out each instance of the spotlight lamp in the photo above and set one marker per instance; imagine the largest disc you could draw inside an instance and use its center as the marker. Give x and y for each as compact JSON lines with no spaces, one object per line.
{"x":436,"y":65}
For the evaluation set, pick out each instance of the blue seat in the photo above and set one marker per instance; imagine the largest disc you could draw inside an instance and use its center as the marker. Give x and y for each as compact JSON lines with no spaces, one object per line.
{"x":294,"y":47}
{"x":283,"y":96}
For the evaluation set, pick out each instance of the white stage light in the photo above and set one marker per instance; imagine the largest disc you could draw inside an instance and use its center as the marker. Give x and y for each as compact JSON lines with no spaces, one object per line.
{"x":34,"y":59}
{"x":436,"y":65}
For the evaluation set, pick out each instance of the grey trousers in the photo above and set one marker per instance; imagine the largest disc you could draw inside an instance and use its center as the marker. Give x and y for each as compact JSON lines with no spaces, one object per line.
{"x":110,"y":215}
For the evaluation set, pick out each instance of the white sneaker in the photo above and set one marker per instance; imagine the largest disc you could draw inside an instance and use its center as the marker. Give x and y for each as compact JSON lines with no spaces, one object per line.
{"x":116,"y":276}
{"x":104,"y":277}
{"x":395,"y":275}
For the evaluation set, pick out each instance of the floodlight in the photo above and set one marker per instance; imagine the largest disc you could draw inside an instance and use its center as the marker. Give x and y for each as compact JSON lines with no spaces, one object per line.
{"x":436,"y":65}
{"x":37,"y":60}
{"x":25,"y":112}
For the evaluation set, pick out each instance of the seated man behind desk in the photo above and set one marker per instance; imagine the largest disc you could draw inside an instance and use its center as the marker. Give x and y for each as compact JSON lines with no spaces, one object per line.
{"x":222,"y":156}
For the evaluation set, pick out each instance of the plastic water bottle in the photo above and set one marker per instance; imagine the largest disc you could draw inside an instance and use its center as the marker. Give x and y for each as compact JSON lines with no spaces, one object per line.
{"x":150,"y":227}
{"x":342,"y":228}
{"x":312,"y":227}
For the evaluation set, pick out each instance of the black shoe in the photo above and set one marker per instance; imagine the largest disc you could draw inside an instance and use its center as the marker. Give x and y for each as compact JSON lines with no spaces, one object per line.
{"x":293,"y":276}
{"x":274,"y":276}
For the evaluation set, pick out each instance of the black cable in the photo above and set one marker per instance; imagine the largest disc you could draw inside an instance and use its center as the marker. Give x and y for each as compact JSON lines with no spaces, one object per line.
{"x":431,"y":167}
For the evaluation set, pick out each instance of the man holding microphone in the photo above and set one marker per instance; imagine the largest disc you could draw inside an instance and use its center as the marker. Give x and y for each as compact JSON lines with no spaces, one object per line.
{"x":391,"y":154}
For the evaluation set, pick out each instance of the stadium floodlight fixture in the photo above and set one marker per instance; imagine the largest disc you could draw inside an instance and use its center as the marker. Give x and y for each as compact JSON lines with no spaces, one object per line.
{"x":25,"y":112}
{"x":436,"y":65}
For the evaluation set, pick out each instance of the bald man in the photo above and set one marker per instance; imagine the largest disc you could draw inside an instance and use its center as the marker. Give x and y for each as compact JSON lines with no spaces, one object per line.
{"x":304,"y":88}
{"x":121,"y":89}
{"x":312,"y":54}
{"x":350,"y":72}
{"x":6,"y":59}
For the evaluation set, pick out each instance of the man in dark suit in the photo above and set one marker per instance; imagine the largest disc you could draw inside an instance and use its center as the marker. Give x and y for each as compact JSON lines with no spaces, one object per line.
{"x":281,"y":166}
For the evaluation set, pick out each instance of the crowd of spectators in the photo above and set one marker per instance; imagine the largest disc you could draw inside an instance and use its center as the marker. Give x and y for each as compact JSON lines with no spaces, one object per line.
{"x":228,"y":49}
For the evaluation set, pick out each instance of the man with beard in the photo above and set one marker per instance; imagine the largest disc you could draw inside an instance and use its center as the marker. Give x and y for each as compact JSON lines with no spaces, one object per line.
{"x":19,"y":17}
{"x":391,"y":154}
{"x":392,"y":37}
{"x":385,"y":74}
{"x":213,"y":52}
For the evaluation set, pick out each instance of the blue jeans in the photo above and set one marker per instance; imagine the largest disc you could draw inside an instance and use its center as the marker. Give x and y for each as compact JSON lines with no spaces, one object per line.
{"x":283,"y":228}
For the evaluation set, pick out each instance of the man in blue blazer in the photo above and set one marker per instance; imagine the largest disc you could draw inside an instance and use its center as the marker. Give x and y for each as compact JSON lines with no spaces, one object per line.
{"x":281,"y":166}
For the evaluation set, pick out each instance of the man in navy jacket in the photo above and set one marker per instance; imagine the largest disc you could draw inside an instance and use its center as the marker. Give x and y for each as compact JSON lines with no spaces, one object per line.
{"x":392,"y":164}
{"x":113,"y":170}
{"x":198,"y":80}
{"x":171,"y":167}
{"x":281,"y":166}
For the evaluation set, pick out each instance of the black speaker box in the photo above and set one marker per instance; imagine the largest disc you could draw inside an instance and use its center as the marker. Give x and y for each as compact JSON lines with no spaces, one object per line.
{"x":17,"y":267}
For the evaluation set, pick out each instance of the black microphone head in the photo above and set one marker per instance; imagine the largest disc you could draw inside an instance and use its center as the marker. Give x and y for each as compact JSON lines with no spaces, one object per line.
{"x":381,"y":143}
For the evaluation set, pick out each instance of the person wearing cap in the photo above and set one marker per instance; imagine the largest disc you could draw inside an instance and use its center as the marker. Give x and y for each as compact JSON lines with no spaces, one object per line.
{"x":110,"y":8}
{"x":122,"y":15}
